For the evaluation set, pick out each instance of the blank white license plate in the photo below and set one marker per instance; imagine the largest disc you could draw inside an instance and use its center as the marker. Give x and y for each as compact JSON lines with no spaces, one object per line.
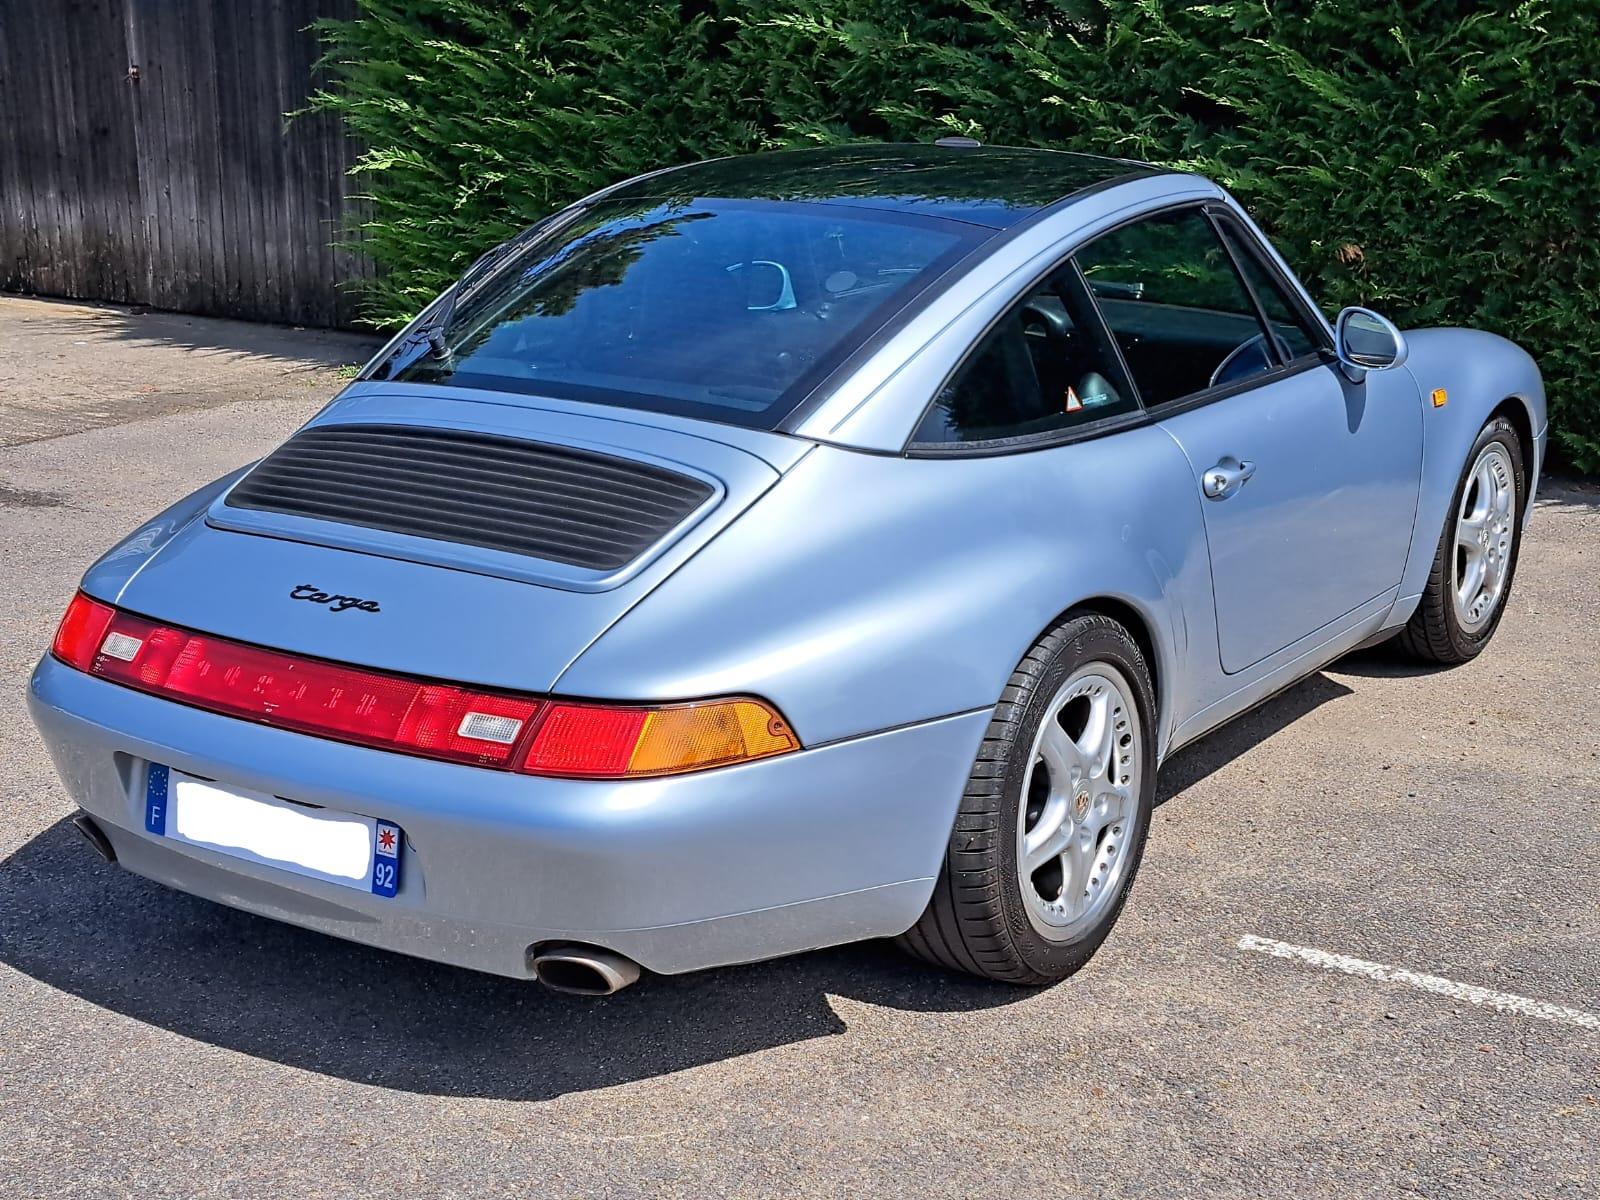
{"x":353,"y":851}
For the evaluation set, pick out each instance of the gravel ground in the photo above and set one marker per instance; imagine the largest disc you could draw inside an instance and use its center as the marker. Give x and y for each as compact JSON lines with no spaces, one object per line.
{"x":1448,"y":823}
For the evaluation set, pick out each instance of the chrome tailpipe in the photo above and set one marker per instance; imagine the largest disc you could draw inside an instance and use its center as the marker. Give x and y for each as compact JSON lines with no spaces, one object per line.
{"x":583,"y":970}
{"x":93,"y":834}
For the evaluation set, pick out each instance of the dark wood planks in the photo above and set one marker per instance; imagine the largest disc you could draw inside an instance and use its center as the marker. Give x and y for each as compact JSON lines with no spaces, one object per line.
{"x":185,"y":187}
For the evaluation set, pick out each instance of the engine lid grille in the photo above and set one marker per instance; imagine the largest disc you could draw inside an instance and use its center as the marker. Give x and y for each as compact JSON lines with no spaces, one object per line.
{"x":560,"y":503}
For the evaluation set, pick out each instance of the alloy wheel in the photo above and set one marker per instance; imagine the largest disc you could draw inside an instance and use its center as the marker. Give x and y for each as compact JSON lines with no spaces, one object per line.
{"x":1079,"y":801}
{"x":1485,"y":530}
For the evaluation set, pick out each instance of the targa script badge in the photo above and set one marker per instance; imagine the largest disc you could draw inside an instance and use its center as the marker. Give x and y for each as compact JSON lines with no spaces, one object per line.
{"x":338,"y":603}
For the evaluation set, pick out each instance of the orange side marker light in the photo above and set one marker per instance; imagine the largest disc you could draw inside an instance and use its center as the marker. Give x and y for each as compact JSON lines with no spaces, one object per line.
{"x":1439,"y":397}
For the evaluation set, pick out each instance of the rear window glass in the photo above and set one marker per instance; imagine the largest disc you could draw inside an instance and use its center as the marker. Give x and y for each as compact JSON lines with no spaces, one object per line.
{"x":1046,"y":366}
{"x":726,"y":310}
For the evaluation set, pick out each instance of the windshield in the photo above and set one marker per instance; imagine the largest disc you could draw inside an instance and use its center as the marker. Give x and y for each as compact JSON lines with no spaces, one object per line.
{"x":728,"y":310}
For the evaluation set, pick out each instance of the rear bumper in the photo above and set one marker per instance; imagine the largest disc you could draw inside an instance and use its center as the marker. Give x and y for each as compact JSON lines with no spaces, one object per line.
{"x":824,"y":846}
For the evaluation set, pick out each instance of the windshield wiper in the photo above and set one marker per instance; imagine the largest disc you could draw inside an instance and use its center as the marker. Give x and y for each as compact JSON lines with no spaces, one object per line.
{"x":432,"y":331}
{"x":435,"y":327}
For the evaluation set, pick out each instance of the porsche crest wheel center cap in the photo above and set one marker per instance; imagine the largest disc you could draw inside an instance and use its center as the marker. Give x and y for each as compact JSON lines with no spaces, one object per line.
{"x":1080,"y":805}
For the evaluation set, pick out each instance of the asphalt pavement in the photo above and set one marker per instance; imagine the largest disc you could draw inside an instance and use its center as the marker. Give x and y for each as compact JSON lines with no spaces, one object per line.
{"x":1362,"y":957}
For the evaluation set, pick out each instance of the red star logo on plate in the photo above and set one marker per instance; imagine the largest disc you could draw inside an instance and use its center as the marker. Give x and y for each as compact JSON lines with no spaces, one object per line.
{"x":386,"y":840}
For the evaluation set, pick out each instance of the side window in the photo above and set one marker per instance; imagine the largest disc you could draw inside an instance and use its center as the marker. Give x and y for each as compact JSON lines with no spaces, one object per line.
{"x":1293,"y":333}
{"x":1176,"y":305}
{"x":1046,"y":366}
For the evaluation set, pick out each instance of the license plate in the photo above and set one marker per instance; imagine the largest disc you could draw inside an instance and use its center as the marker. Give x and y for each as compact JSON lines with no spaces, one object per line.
{"x":352,"y":851}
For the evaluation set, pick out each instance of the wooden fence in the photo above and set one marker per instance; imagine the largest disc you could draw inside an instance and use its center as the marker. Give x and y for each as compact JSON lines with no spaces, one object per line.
{"x":145,"y":158}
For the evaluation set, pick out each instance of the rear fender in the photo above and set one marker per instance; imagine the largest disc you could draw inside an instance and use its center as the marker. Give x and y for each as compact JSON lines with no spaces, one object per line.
{"x":110,"y":575}
{"x":865,"y":592}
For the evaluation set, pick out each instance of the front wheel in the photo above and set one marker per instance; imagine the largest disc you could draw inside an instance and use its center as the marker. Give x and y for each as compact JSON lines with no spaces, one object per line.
{"x":1470,"y":580}
{"x":1053,"y":821}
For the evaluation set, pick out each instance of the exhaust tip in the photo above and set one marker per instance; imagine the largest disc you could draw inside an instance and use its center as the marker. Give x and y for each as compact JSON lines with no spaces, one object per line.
{"x":583,"y":970}
{"x":95,"y":836}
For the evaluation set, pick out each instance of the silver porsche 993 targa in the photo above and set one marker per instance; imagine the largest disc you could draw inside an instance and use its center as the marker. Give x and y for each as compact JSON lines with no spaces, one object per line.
{"x":782,"y":551}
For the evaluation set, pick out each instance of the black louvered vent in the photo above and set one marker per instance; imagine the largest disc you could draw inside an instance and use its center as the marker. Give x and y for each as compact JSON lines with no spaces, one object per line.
{"x":552,"y":502}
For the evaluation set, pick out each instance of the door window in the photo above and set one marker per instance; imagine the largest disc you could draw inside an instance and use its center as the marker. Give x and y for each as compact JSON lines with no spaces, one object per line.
{"x":1295,"y":335}
{"x":1047,"y":366}
{"x":1176,"y":305}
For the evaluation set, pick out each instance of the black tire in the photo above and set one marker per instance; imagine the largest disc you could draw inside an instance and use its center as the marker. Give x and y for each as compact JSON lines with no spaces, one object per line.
{"x":1435,"y":633}
{"x":977,"y":920}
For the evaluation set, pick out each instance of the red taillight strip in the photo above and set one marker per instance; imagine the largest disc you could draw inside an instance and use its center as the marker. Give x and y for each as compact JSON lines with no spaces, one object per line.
{"x":349,"y":704}
{"x":530,"y":734}
{"x":82,"y":629}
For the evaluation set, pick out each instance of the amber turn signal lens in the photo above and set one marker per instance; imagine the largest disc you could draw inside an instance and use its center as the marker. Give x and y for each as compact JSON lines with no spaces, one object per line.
{"x":596,"y":741}
{"x":703,"y":735}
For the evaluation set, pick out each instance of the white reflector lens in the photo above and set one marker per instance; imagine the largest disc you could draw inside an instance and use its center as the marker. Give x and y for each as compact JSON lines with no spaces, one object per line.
{"x":486,"y":727}
{"x":120,"y":645}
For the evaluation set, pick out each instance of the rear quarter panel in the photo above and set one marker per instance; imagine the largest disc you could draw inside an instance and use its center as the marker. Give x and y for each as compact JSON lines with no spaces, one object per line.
{"x":868,"y":591}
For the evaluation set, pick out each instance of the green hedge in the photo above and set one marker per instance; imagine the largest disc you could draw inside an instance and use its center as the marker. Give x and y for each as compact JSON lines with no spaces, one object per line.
{"x":1438,"y":161}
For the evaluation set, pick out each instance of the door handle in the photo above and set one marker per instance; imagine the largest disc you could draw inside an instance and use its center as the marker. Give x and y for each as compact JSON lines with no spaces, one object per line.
{"x":1226,"y":478}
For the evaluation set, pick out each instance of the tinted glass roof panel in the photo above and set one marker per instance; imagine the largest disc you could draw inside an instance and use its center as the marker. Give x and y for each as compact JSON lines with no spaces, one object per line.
{"x":995,"y":186}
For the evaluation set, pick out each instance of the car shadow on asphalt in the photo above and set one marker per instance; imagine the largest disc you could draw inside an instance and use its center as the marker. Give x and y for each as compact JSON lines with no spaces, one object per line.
{"x":1560,"y":489}
{"x":288,"y":995}
{"x":1199,"y":760}
{"x":1383,"y":662}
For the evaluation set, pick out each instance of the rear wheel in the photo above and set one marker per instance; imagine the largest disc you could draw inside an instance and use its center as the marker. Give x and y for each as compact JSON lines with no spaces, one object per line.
{"x":1053,"y":820}
{"x":1477,"y":556}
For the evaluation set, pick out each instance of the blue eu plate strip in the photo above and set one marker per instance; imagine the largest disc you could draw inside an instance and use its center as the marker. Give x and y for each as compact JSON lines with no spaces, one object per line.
{"x":155,"y":800}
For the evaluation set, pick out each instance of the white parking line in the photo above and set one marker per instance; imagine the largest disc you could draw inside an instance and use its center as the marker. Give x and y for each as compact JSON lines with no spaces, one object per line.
{"x":1522,"y":1006}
